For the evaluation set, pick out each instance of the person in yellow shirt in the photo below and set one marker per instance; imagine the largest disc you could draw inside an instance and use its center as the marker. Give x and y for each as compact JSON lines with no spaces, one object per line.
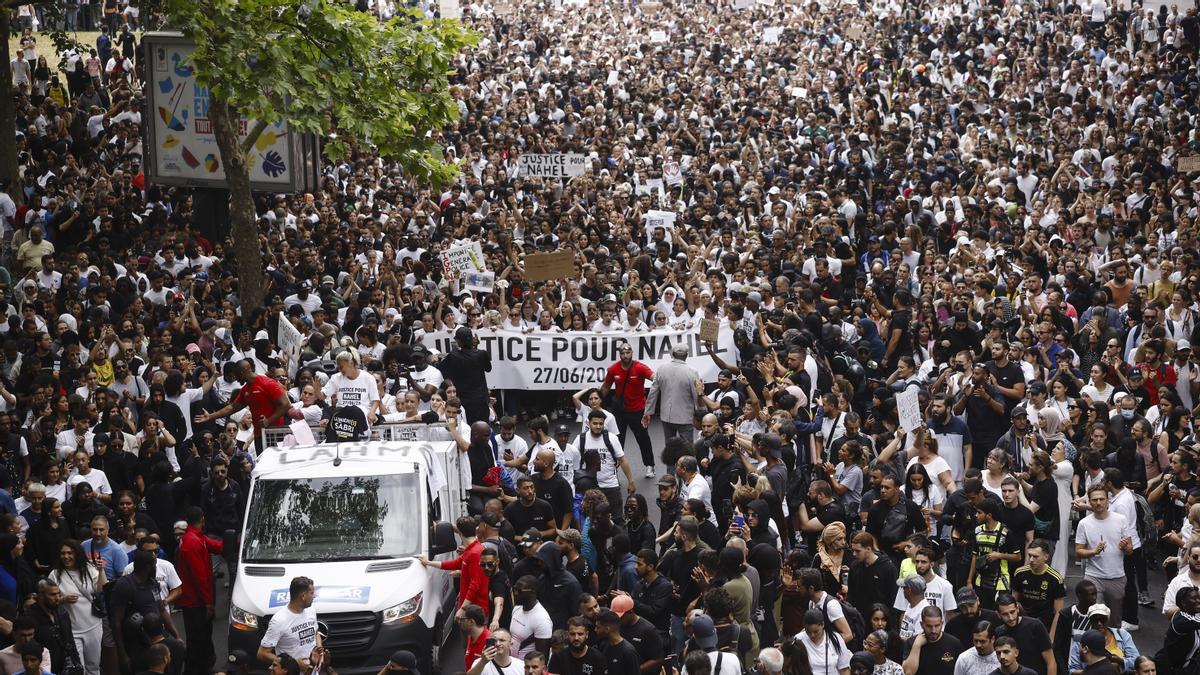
{"x":29,"y":255}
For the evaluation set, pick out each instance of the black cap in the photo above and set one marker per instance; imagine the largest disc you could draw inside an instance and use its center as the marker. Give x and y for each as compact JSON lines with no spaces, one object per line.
{"x":404,"y":659}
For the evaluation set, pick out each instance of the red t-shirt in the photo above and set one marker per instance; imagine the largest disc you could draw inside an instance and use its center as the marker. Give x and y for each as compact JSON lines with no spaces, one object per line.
{"x":634,"y":390}
{"x":260,"y":396}
{"x":475,"y":647}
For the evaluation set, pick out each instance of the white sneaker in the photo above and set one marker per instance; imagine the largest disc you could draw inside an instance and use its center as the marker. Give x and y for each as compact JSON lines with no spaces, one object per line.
{"x":1131,"y":627}
{"x":649,"y":472}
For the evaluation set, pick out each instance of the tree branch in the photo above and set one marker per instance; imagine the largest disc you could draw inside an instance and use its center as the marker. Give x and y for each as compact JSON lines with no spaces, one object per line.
{"x":252,"y":137}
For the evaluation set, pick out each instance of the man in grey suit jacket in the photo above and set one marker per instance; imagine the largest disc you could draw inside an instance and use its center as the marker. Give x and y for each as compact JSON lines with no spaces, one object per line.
{"x":674,"y":392}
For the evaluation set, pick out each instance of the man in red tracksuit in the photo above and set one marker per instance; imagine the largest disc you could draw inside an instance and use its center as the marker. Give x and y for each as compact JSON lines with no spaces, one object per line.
{"x":473,"y":584}
{"x":197,"y":597}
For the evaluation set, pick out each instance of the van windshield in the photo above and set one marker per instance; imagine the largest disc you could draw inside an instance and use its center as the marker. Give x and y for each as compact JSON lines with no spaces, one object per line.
{"x":342,"y":518}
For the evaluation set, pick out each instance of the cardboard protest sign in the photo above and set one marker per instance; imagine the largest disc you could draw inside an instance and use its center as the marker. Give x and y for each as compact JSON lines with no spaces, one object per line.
{"x":547,"y":266}
{"x":480,"y":282}
{"x":908,"y":408}
{"x":671,"y":173}
{"x":557,"y":165}
{"x":656,"y":220}
{"x":1187,"y":164}
{"x":458,"y":260}
{"x":709,"y":330}
{"x":290,"y":343}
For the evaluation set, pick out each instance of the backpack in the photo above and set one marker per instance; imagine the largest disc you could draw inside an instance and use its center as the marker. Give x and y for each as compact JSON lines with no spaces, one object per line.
{"x":1147,"y":528}
{"x":858,"y":626}
{"x":895,"y":524}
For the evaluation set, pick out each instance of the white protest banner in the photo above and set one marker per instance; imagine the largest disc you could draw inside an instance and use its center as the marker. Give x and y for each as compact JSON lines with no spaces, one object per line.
{"x":743,"y":4}
{"x":771,"y":34}
{"x":908,"y":407}
{"x":658,"y":36}
{"x":560,"y":165}
{"x":449,"y":9}
{"x":671,"y":173}
{"x":480,"y":282}
{"x":571,"y":360}
{"x":290,"y":343}
{"x":656,"y":220}
{"x":458,"y":260}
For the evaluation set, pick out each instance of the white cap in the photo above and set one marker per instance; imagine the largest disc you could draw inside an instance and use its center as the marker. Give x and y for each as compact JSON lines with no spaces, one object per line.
{"x":261,"y":335}
{"x":1182,"y":344}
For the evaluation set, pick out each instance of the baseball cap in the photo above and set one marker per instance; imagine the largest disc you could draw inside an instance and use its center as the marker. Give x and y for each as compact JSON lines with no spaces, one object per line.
{"x":261,"y":335}
{"x":571,"y":535}
{"x":404,"y":659}
{"x":704,"y":631}
{"x":463,"y":333}
{"x":666,"y":480}
{"x":192,"y":348}
{"x":1182,"y":344}
{"x":624,"y":603}
{"x":966,"y":596}
{"x":1093,"y":640}
{"x":771,"y":445}
{"x":561,"y":429}
{"x":912,"y":583}
{"x":1099,"y":609}
{"x":222,"y":334}
{"x":532,"y":537}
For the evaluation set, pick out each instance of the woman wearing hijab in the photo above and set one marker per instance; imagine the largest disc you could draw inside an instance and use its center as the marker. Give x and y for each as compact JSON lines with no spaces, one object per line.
{"x":47,"y":535}
{"x":1050,"y":421}
{"x":16,"y":579}
{"x":831,"y":549}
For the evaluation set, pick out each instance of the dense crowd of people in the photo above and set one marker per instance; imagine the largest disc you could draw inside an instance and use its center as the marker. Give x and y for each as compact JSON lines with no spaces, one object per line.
{"x":976,"y":205}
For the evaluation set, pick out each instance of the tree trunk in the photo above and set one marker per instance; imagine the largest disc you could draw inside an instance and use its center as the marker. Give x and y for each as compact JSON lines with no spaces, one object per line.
{"x":244,"y":228}
{"x":8,"y":112}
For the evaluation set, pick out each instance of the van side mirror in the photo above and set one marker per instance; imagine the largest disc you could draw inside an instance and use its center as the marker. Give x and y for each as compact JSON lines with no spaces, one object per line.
{"x":443,"y":539}
{"x":229,"y":546}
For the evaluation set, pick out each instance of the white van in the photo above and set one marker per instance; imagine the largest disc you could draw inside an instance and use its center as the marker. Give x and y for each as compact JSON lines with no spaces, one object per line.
{"x":351,"y":516}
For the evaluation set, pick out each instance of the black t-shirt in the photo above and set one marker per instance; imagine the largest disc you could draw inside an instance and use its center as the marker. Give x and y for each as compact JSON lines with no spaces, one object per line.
{"x":962,"y":626}
{"x":467,"y":368}
{"x":482,"y":458}
{"x":644,"y":638}
{"x":563,"y":662}
{"x":1045,"y":495}
{"x":1018,"y":520}
{"x":1021,"y":670}
{"x":537,"y":515}
{"x":1008,"y":376}
{"x":499,"y":587}
{"x":135,"y":596}
{"x":1037,"y":592}
{"x":557,"y":493}
{"x":937,"y":658}
{"x":582,"y":571}
{"x":1032,"y":639}
{"x":901,"y":319}
{"x":621,"y":658}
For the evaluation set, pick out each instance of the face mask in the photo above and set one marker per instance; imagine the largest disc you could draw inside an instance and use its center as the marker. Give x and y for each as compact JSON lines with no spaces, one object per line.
{"x":1127,"y":414}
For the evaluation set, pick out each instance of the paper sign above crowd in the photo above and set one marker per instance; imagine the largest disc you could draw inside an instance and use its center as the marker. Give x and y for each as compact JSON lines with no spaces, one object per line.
{"x":551,"y":166}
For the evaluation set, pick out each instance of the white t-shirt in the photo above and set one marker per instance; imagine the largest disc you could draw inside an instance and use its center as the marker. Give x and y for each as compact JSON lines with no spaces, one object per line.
{"x":535,"y":623}
{"x":1110,"y":564}
{"x":164,"y":573}
{"x":428,"y":376}
{"x":910,"y":623}
{"x":826,"y":658}
{"x":95,"y":477}
{"x":607,"y":477}
{"x":938,"y":593}
{"x":361,"y":391}
{"x":699,"y":489}
{"x":292,"y":634}
{"x":185,"y":401}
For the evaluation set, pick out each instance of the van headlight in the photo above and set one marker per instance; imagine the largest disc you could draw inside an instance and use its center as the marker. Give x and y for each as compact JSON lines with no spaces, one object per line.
{"x":403,"y":612}
{"x":242,"y":620}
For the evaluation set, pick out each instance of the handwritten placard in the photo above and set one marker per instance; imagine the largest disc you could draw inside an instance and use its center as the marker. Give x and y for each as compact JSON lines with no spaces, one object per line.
{"x":547,"y":266}
{"x":1187,"y":164}
{"x":709,"y":330}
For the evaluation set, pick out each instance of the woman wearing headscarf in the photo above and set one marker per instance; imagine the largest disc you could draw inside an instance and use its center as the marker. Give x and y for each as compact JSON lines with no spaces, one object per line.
{"x":1050,"y":422}
{"x":831,"y":549}
{"x":16,"y":578}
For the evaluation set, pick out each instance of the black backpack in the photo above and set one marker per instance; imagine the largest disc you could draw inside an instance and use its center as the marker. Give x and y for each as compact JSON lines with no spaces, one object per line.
{"x":858,"y":627}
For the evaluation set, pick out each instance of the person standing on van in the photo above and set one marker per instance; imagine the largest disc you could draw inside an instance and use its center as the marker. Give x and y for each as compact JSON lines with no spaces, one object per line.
{"x":268,"y":402}
{"x":467,"y":367}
